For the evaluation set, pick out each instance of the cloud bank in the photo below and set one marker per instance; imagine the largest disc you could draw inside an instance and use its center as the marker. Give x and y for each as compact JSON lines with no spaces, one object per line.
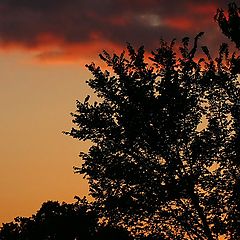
{"x":68,"y":28}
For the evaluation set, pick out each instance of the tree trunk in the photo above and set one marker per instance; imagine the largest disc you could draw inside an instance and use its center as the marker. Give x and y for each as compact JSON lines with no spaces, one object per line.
{"x":195,"y":201}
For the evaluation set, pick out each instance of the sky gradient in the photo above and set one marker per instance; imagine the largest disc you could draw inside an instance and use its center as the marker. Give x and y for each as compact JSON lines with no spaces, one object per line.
{"x":44,"y":46}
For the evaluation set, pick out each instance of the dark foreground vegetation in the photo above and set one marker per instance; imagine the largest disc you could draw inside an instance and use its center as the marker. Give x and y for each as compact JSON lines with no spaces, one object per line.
{"x":62,"y":221}
{"x":166,"y":144}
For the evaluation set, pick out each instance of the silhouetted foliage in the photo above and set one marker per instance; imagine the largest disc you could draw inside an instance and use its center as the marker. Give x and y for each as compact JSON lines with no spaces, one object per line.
{"x":230,"y":25}
{"x":62,"y":221}
{"x":165,"y":135}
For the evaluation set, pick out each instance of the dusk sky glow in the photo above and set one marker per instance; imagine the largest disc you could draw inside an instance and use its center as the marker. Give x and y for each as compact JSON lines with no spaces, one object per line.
{"x":44,"y":46}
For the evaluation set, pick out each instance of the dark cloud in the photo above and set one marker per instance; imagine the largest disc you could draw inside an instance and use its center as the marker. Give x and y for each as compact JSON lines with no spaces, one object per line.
{"x":28,"y":22}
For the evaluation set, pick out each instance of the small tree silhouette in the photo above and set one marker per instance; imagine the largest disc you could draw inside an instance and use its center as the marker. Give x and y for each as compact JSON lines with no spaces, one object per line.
{"x":165,"y":153}
{"x":53,"y":221}
{"x":64,"y":221}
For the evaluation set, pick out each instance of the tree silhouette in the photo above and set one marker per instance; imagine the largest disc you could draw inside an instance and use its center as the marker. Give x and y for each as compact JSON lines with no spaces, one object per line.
{"x":62,"y":222}
{"x":165,"y":135}
{"x":230,"y":25}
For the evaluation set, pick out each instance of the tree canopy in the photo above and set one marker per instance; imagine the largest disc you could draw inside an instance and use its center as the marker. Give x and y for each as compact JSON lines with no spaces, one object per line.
{"x":165,"y":134}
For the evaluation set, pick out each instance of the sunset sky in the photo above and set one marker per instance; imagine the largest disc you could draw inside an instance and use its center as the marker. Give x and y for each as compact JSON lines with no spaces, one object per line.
{"x":44,"y":46}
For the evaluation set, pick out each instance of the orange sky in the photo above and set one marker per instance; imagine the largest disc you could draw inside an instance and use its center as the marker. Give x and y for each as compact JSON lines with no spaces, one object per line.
{"x":43,"y":48}
{"x":36,"y":158}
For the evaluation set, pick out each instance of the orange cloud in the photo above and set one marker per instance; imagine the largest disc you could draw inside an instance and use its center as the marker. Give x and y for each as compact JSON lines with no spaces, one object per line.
{"x":57,"y":30}
{"x":179,"y":23}
{"x":68,"y":53}
{"x":205,"y":9}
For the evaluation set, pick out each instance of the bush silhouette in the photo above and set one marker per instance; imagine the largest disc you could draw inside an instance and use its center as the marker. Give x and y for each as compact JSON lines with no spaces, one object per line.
{"x":62,"y":221}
